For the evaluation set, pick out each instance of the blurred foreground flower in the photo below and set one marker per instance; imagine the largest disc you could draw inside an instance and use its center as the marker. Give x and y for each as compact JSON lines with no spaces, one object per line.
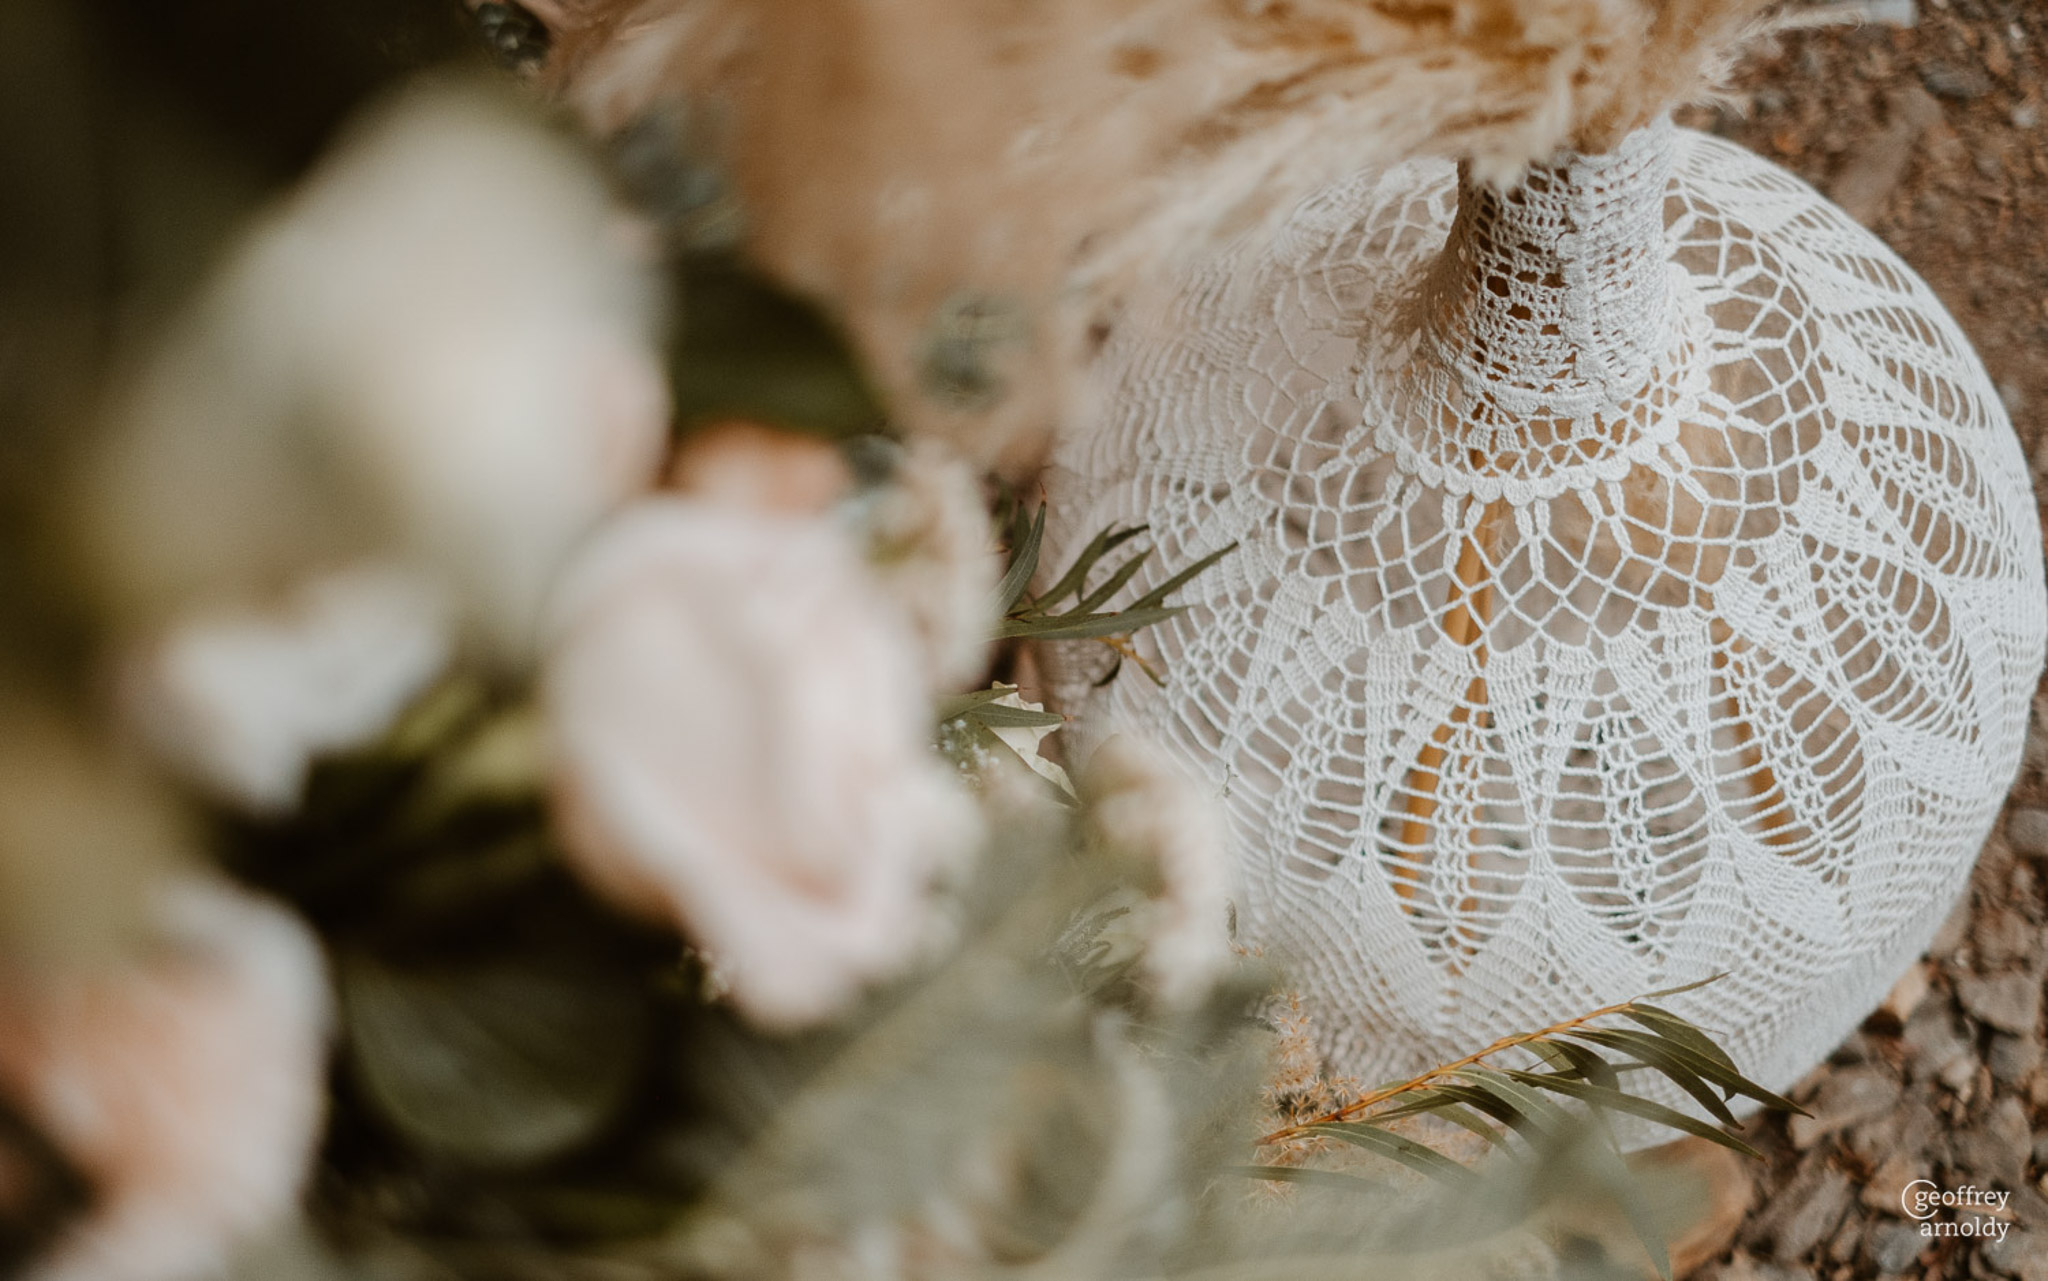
{"x":925,"y":526}
{"x":757,"y":468}
{"x":185,"y":1083}
{"x":929,"y":539}
{"x":1138,"y":807}
{"x":435,"y":365}
{"x":241,"y":701}
{"x":441,"y":351}
{"x":742,"y":735}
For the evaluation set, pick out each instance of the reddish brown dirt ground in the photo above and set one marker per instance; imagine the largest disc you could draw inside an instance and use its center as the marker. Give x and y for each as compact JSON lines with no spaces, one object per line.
{"x":1933,"y":134}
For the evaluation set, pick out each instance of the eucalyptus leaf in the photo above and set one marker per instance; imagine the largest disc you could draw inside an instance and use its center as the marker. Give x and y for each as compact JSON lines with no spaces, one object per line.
{"x":1023,"y":561}
{"x":998,"y":716}
{"x":1109,"y":587}
{"x":960,"y":704}
{"x":1444,"y":1106}
{"x":1076,"y":577}
{"x":1619,"y":1101}
{"x":1585,"y":1064}
{"x":1682,"y":1054}
{"x":1693,"y":986}
{"x":1416,"y":1156}
{"x":1658,"y":1056}
{"x":1535,"y":1117}
{"x":502,"y":1063}
{"x":1083,"y":626}
{"x":1157,"y":596}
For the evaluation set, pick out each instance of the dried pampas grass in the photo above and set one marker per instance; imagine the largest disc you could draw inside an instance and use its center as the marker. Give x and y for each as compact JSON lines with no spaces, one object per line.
{"x":971,"y":184}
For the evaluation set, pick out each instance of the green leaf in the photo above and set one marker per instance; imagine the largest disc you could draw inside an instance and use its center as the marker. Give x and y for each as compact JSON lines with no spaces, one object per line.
{"x":1500,"y":1109}
{"x":998,"y":716}
{"x":1693,"y":986}
{"x":983,"y":707}
{"x":1157,"y":596}
{"x":1585,"y":1064}
{"x":1716,"y":1068}
{"x":1110,"y":586}
{"x":960,"y":704}
{"x":1446,"y":1106}
{"x":1023,"y":560}
{"x":1543,"y":1119}
{"x":1069,"y":627}
{"x":496,"y":1064}
{"x":1077,"y":573}
{"x":1659,"y":1055}
{"x":1619,"y":1101}
{"x":1417,"y":1157}
{"x":1670,"y":1026}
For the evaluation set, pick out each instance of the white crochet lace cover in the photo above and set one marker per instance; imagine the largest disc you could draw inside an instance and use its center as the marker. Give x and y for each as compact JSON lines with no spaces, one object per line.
{"x":1637,"y":579}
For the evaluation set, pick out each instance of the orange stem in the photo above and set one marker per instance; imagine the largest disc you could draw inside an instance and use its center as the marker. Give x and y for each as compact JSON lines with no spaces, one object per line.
{"x":1381,"y":1095}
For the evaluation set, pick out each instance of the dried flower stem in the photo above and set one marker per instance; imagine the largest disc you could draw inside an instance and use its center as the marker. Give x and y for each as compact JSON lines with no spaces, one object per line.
{"x":1381,"y":1095}
{"x":1126,"y":650}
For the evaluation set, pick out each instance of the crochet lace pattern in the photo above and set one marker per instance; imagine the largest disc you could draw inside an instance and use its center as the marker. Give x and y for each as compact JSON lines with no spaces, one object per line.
{"x":1637,"y":579}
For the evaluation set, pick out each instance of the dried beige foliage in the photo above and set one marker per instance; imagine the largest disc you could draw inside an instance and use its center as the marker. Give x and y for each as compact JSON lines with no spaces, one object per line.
{"x":973,"y":185}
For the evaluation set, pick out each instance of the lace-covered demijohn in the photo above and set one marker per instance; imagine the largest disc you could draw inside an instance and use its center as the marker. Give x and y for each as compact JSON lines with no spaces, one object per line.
{"x":1637,"y":580}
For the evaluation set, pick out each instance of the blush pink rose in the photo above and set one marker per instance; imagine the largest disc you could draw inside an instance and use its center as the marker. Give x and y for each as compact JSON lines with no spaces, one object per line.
{"x":187,"y":1084}
{"x":741,"y":734}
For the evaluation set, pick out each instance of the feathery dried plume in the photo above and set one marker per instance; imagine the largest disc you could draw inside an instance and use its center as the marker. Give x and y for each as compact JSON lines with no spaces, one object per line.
{"x":971,"y":189}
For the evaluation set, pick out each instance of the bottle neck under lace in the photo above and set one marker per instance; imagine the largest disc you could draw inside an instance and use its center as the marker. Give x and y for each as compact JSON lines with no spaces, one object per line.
{"x":1553,"y":298}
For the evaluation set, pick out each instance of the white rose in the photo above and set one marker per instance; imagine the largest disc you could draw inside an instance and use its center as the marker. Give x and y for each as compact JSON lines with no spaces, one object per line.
{"x":442,"y":350}
{"x":742,"y":740}
{"x":241,"y":701}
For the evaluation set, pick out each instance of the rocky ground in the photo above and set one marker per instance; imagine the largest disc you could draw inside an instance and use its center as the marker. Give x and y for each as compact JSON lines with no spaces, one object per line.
{"x":1927,"y":123}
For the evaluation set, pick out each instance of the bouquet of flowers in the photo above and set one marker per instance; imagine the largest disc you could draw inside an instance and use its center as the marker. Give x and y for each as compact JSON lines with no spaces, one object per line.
{"x":519,"y":767}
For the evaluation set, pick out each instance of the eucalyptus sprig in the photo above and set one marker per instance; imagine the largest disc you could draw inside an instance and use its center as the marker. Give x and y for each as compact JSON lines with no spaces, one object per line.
{"x":1514,"y":1111}
{"x":1070,"y":609}
{"x":1661,"y":1042}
